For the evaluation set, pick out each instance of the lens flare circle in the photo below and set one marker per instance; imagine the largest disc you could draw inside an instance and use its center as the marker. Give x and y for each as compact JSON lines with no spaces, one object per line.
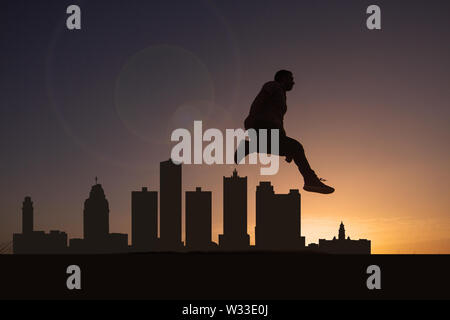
{"x":152,"y":86}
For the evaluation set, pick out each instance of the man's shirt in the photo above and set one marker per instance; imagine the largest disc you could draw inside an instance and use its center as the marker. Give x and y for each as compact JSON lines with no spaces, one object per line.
{"x":268,"y":108}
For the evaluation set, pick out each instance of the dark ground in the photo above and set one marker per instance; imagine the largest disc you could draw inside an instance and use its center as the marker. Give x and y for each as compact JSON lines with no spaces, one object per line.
{"x":262,"y":275}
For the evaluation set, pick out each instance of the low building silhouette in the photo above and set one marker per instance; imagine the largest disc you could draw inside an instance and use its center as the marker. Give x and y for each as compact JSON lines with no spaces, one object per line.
{"x":277,"y":220}
{"x":37,"y":242}
{"x":144,"y":220}
{"x":199,"y":220}
{"x":111,"y":243}
{"x":117,"y":243}
{"x":235,"y":236}
{"x":78,"y":246}
{"x":341,"y":245}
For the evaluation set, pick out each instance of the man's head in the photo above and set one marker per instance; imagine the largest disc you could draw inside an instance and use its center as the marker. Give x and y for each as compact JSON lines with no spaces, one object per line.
{"x":285,"y":78}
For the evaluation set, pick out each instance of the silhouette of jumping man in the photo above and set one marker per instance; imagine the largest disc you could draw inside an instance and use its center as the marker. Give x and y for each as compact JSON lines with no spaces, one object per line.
{"x":267,"y":112}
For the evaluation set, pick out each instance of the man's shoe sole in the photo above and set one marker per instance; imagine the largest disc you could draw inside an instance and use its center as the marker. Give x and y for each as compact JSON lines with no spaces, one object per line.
{"x":319,"y":189}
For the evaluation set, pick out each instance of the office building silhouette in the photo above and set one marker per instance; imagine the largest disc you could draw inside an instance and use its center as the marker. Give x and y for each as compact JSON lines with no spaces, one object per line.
{"x":277,"y":219}
{"x":170,"y":206}
{"x":343,"y":245}
{"x":144,"y":220}
{"x":235,"y":236}
{"x":97,"y":238}
{"x":37,"y":242}
{"x":199,"y":220}
{"x":96,"y":215}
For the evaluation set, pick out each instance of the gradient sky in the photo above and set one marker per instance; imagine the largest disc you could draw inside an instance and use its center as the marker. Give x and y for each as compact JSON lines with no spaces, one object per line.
{"x":370,"y":107}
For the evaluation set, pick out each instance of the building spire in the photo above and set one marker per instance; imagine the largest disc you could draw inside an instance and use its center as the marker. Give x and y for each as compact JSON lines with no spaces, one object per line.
{"x":341,"y":231}
{"x":96,"y":178}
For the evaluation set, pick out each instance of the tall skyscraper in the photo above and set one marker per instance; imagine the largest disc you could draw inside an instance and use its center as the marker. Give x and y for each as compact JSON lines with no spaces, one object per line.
{"x":27,"y":215}
{"x":144,"y":219}
{"x":198,"y":219}
{"x":277,"y":219}
{"x":235,"y":236}
{"x":170,"y":208}
{"x":96,"y":215}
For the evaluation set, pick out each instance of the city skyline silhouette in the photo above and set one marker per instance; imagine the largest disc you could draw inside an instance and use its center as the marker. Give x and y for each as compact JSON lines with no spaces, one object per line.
{"x":370,"y":107}
{"x":278,"y":222}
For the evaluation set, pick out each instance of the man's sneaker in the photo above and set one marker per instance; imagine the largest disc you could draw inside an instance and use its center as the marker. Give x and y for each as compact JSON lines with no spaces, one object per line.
{"x":316,"y":185}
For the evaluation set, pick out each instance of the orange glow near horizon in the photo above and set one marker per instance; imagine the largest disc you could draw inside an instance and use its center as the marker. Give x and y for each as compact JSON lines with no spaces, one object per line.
{"x":380,"y":194}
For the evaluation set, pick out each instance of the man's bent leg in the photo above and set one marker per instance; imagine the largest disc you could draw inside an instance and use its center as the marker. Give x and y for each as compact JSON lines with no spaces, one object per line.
{"x":288,"y":147}
{"x":291,"y":148}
